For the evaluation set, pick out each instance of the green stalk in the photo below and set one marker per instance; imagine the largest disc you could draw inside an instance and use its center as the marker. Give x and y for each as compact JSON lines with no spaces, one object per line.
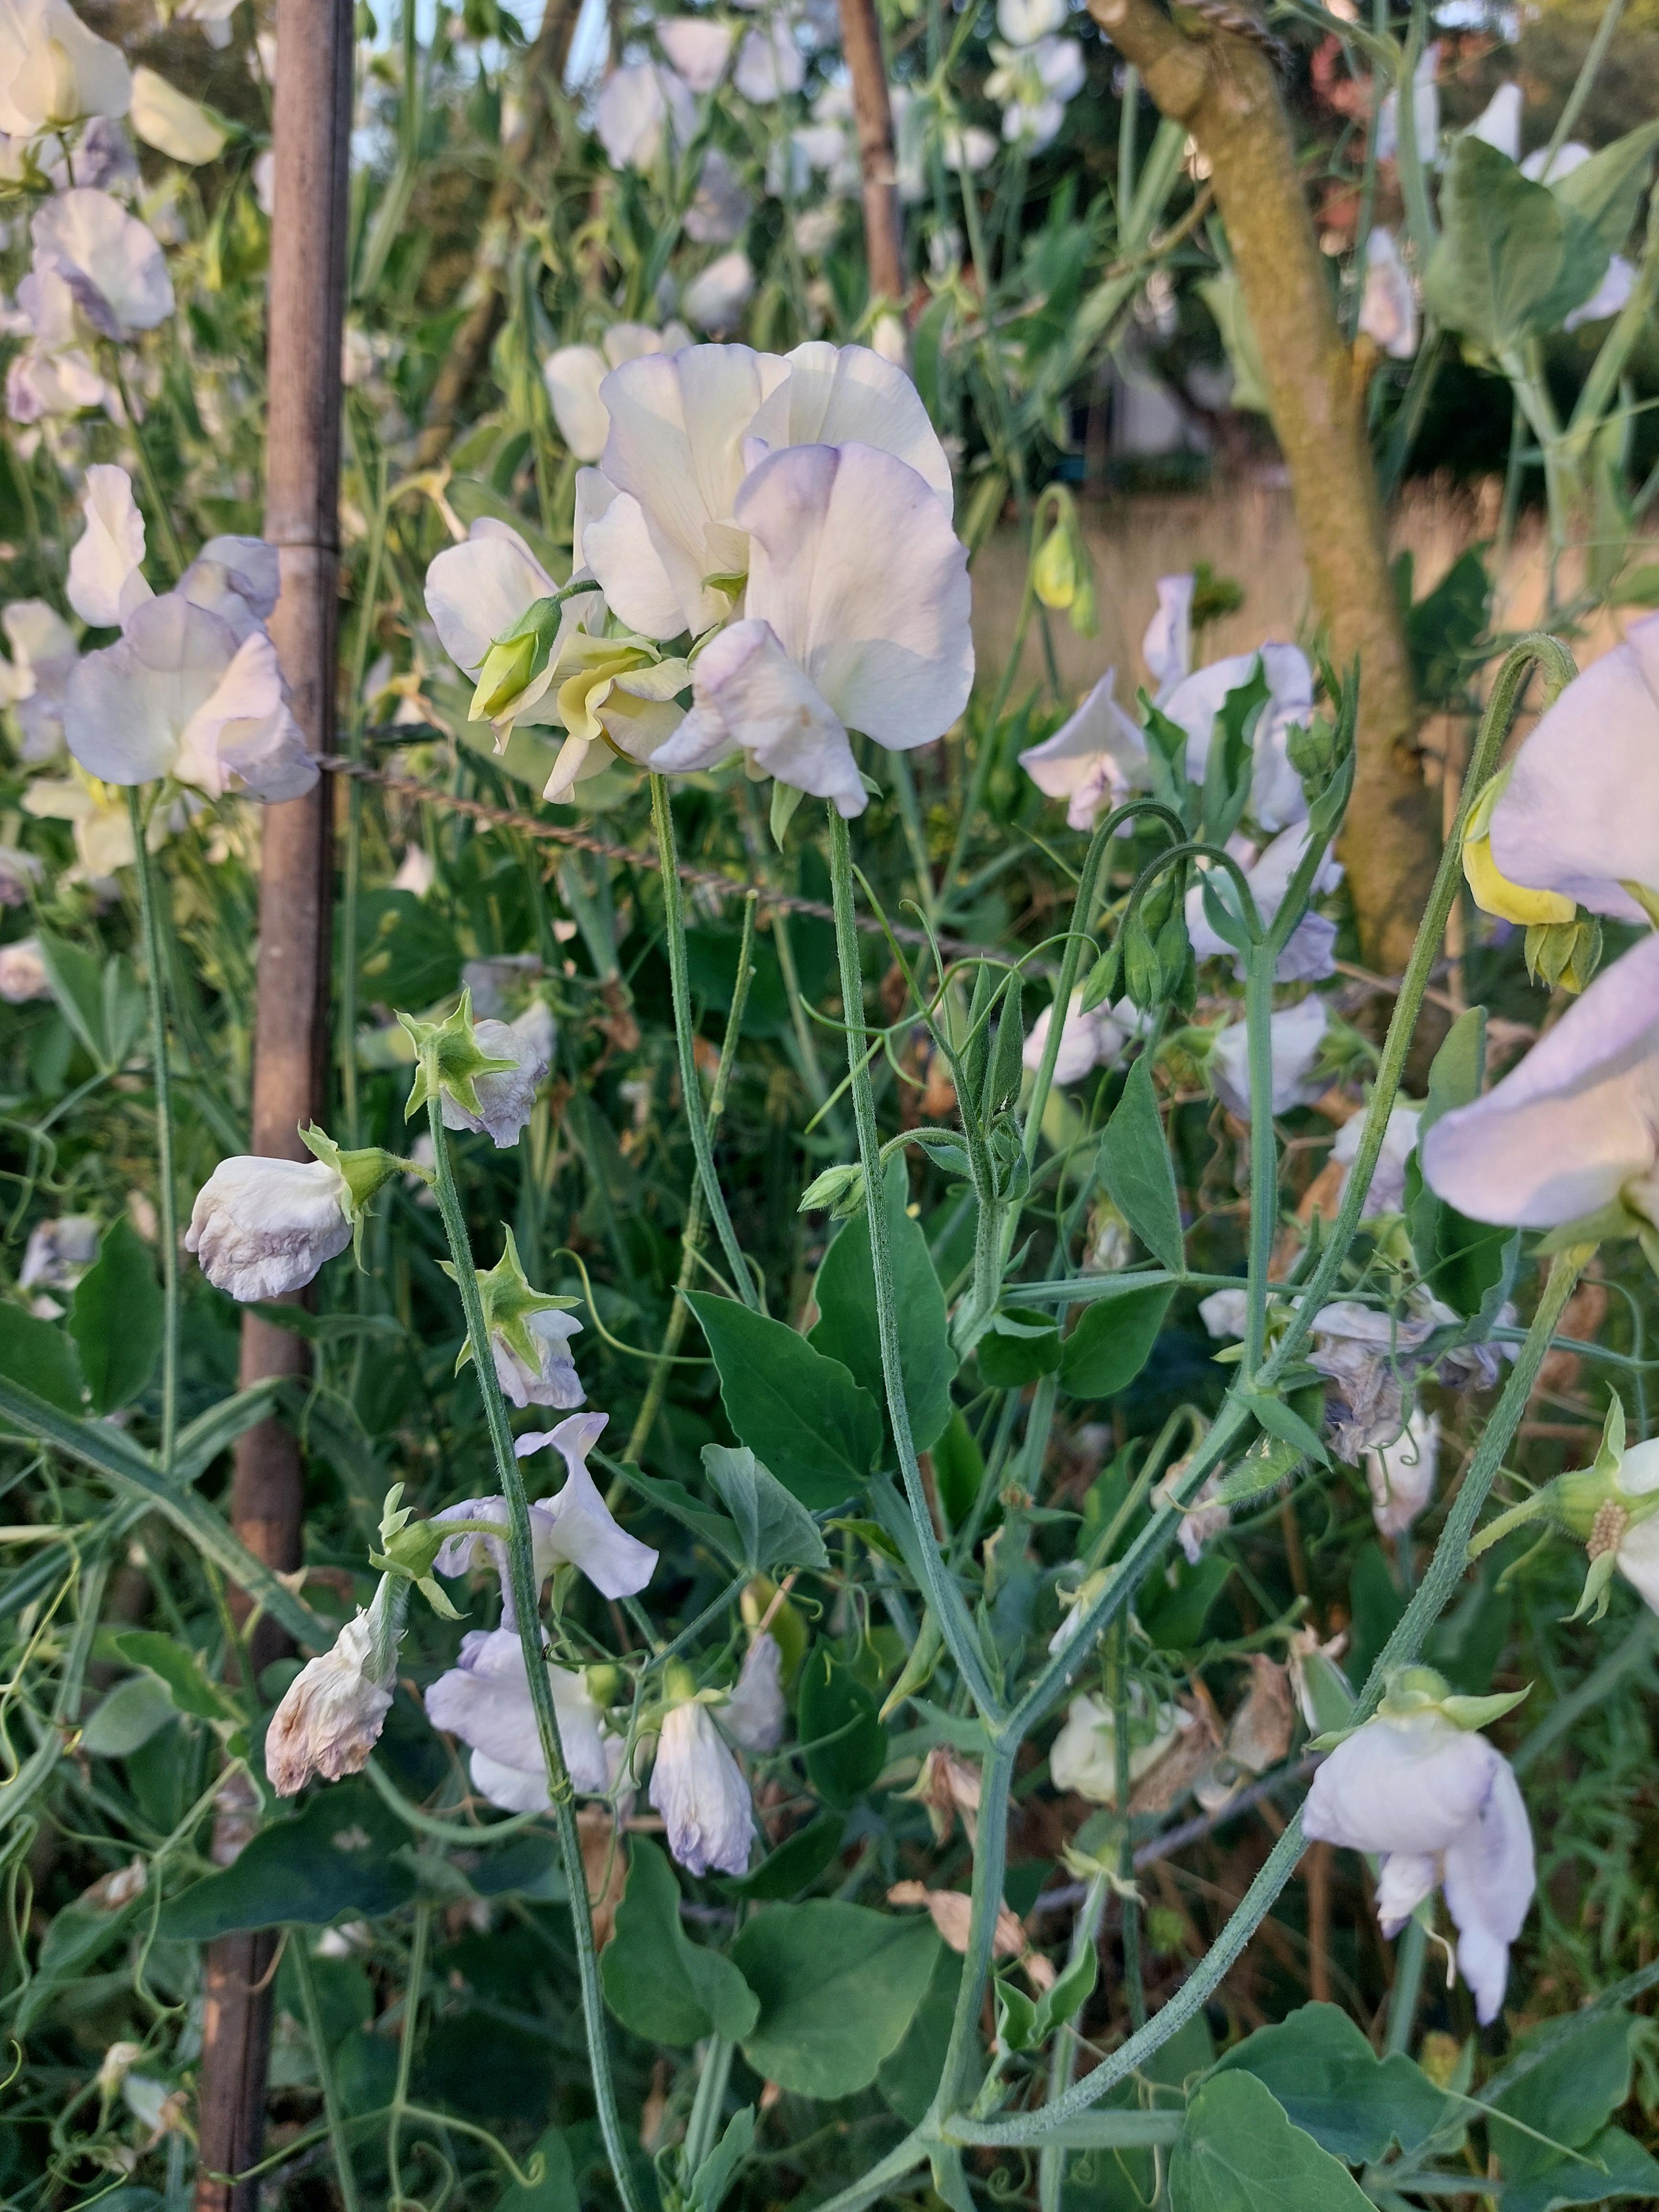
{"x":1407,"y":1983}
{"x":1585,"y":81}
{"x":525,"y":1600}
{"x":703,"y":2129}
{"x":338,"y":2144}
{"x":955,"y":1626}
{"x":351,"y":874}
{"x":155,"y":982}
{"x":1262,"y":960}
{"x":1130,"y":1910}
{"x":1062,"y":2065}
{"x":673,"y":901}
{"x":1070,"y":960}
{"x":990,"y":1861}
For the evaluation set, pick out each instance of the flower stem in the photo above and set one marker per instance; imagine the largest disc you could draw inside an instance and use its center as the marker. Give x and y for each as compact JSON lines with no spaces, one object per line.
{"x":1261,"y":959}
{"x":1085,"y":1934}
{"x":324,"y":2058}
{"x":155,"y":982}
{"x":522,"y":1577}
{"x":673,"y":901}
{"x":947,"y":1600}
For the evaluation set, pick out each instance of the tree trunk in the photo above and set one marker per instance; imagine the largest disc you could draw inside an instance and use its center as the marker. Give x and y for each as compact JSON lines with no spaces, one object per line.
{"x":311,"y":134}
{"x":872,"y":108}
{"x":1222,"y":88}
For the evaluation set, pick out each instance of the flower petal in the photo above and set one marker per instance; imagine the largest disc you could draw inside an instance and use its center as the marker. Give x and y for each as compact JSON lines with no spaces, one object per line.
{"x":105,"y":577}
{"x":610,"y":537}
{"x":841,"y":395}
{"x":572,"y":376}
{"x":476,"y":591}
{"x":580,"y":1527}
{"x":749,"y":695}
{"x":1490,"y":1877}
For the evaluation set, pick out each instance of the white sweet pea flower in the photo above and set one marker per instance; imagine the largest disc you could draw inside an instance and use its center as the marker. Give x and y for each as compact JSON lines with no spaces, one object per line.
{"x":1167,"y":645}
{"x":824,"y":148}
{"x":1387,"y":1193}
{"x":1576,"y":813}
{"x":769,"y":64}
{"x":1023,"y":22}
{"x":1297,"y":1033}
{"x":109,"y":259}
{"x":104,"y":159}
{"x":1636,"y":1550}
{"x":1498,"y":123}
{"x":698,"y":1787}
{"x":577,"y":1525}
{"x":1087,"y":1040}
{"x":1441,"y":1807}
{"x":59,"y":1253}
{"x":833,"y":641}
{"x":214,"y":16}
{"x":717,"y":295}
{"x":970,"y":148}
{"x":43,"y":658}
{"x":507,"y":1096}
{"x":416,"y":871}
{"x":1426,"y":111}
{"x":1574,"y":1130}
{"x":332,"y":1712}
{"x":574,"y":374}
{"x":1276,"y":795}
{"x":260,"y":1228}
{"x":103,"y":827}
{"x":54,"y":375}
{"x":754,"y":1715}
{"x":1310,"y":952}
{"x":721,"y":206}
{"x":642,"y":108}
{"x":54,"y":71}
{"x":1223,"y":1313}
{"x":698,"y":49}
{"x":1084,"y":1755}
{"x":553,"y":1380}
{"x":1609,"y":298}
{"x":1034,"y":84}
{"x":1095,"y":761}
{"x":1388,"y":307}
{"x":22,"y":972}
{"x":1401,"y":1474}
{"x":1539,"y":169}
{"x":841,"y":395}
{"x":105,"y":574}
{"x":172,"y":122}
{"x":485,"y":1700}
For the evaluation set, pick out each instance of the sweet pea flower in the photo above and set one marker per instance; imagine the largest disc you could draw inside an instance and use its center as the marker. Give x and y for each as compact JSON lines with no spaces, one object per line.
{"x":1573,"y":1132}
{"x":22,"y":972}
{"x":831,"y":642}
{"x":698,"y":49}
{"x":1087,"y":1040}
{"x":506,"y":1095}
{"x":642,"y":108}
{"x":106,"y":577}
{"x":574,"y":374}
{"x":1387,"y":1193}
{"x":59,"y":1253}
{"x":53,"y":374}
{"x":1277,"y":800}
{"x":970,"y":148}
{"x":698,"y":1787}
{"x":485,"y":1700}
{"x":172,"y":122}
{"x":1296,"y":1034}
{"x":1539,"y":168}
{"x":717,"y":295}
{"x":1023,"y":22}
{"x":1095,"y":761}
{"x":1441,"y":1807}
{"x":1401,"y":1474}
{"x":1167,"y":644}
{"x":214,"y":16}
{"x":1223,"y":1313}
{"x":104,"y":159}
{"x":1572,"y":818}
{"x":1310,"y":952}
{"x":43,"y":658}
{"x":754,"y":1715}
{"x":21,"y":874}
{"x":332,"y":1712}
{"x":577,"y":1525}
{"x":721,"y":206}
{"x":769,"y":64}
{"x":260,"y":1228}
{"x":103,"y":827}
{"x":109,"y":259}
{"x":1610,"y":297}
{"x":1033,"y":83}
{"x":553,"y":1380}
{"x":1388,"y":307}
{"x":1498,"y":123}
{"x":54,"y":71}
{"x":1084,"y":1755}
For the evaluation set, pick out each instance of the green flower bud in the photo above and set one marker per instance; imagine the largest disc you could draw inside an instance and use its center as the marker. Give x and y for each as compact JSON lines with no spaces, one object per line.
{"x":448,"y":1060}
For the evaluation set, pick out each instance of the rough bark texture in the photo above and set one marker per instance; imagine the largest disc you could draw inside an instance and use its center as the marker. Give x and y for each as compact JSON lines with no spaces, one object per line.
{"x":1222,"y":88}
{"x":544,"y":69}
{"x":312,"y":138}
{"x":884,"y":234}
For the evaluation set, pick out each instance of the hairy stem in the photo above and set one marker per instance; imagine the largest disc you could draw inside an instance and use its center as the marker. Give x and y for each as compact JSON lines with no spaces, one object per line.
{"x":167,"y":1210}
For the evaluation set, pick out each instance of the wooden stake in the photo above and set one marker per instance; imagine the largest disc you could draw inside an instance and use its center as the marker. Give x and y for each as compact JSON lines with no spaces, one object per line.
{"x":312,"y":125}
{"x":872,"y":109}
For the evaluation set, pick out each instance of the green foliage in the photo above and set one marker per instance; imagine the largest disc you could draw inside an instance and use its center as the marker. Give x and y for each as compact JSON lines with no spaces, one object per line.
{"x":838,"y":1718}
{"x":801,"y":1414}
{"x":1332,"y":2085}
{"x":1515,"y":258}
{"x":1239,"y":2153}
{"x":1134,"y":1166}
{"x":838,"y":1986}
{"x":774,"y":1529}
{"x":845,"y":1328}
{"x":116,"y":1320}
{"x":342,"y":1856}
{"x":657,"y":1981}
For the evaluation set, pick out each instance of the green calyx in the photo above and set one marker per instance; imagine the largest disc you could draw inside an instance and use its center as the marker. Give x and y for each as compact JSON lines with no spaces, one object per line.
{"x":361,"y":1172}
{"x":508,"y":1302}
{"x":447,"y":1059}
{"x":1415,"y":1693}
{"x":514,"y":661}
{"x":408,"y":1548}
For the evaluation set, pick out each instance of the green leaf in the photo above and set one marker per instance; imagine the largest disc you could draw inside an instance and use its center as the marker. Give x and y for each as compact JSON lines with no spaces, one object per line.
{"x":117,"y":1318}
{"x":836,"y":1716}
{"x":838,"y":1986}
{"x":1444,"y":629}
{"x":338,"y":1859}
{"x":777,"y":1529}
{"x":959,"y":1470}
{"x":133,"y":1711}
{"x":1568,"y":2098}
{"x":1113,"y":1341}
{"x":99,"y":998}
{"x":1021,"y":1344}
{"x":657,"y":1981}
{"x":172,"y":1662}
{"x":671,"y":1497}
{"x":1239,"y":2153}
{"x":1016,"y":2016}
{"x":847,"y":1331}
{"x":556,"y":2189}
{"x":1134,"y":1165}
{"x":1607,"y":190}
{"x":1461,"y":1260}
{"x":1622,"y":2169}
{"x":909,"y":2079}
{"x":794,"y":1865}
{"x":1229,"y":762}
{"x":1284,"y":1422}
{"x":1318,"y":2065}
{"x":1173,"y":1613}
{"x":802,"y":1414}
{"x":719,"y":2170}
{"x":43,"y":1358}
{"x":407,"y":953}
{"x":1513,"y":259}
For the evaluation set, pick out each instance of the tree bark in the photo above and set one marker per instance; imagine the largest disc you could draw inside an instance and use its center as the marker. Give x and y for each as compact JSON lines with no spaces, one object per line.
{"x":544,"y":67}
{"x":872,"y":110}
{"x":312,"y":136}
{"x":1222,"y":88}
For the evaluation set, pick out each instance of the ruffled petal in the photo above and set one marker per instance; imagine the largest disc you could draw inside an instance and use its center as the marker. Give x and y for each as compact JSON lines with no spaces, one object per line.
{"x":845,"y":395}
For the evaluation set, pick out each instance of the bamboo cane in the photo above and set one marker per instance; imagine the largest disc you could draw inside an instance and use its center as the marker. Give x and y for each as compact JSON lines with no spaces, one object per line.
{"x":312,"y":132}
{"x":872,"y":109}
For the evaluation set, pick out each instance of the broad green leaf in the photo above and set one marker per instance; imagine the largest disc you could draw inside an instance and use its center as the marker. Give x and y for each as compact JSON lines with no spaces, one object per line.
{"x":43,"y":1358}
{"x":777,"y":1529}
{"x":1240,"y":2153}
{"x":794,"y":1865}
{"x":959,"y":1470}
{"x":1134,"y":1165}
{"x":657,"y":1981}
{"x":802,"y":1414}
{"x":1568,"y":2098}
{"x":99,"y":998}
{"x":835,"y":1716}
{"x":909,"y":2079}
{"x":846,"y":1330}
{"x":1607,"y":190}
{"x":1284,"y":1422}
{"x":838,"y":1986}
{"x":116,"y":1318}
{"x":1621,"y":2169}
{"x":1021,"y":1344}
{"x":131,"y":1713}
{"x":1113,"y":1341}
{"x":719,"y":2170}
{"x":407,"y":953}
{"x":1513,"y":259}
{"x":1320,"y":2067}
{"x":1173,"y":1613}
{"x":1459,"y":1260}
{"x":172,"y":1662}
{"x":556,"y":2189}
{"x":672,"y":1497}
{"x":342,"y":1858}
